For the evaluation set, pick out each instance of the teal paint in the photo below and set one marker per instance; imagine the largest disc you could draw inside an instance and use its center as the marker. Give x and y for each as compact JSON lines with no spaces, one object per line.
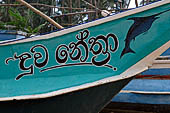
{"x":60,"y":78}
{"x":82,"y":101}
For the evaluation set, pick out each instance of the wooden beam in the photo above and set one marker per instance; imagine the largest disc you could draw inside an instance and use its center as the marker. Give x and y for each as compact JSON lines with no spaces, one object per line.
{"x":43,"y":5}
{"x":136,"y":3}
{"x":69,"y":14}
{"x":41,"y":14}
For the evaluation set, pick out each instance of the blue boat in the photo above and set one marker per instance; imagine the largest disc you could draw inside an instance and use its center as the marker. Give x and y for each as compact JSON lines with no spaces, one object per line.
{"x":10,"y":35}
{"x":145,"y":91}
{"x":80,"y":69}
{"x":166,"y":53}
{"x":150,"y":87}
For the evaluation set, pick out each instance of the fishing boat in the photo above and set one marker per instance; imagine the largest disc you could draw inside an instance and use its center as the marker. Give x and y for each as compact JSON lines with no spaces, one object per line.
{"x":80,"y":69}
{"x":150,"y":87}
{"x":10,"y":34}
{"x":146,"y":91}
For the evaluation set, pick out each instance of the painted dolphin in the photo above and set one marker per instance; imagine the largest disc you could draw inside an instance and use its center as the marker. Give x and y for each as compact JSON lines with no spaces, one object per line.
{"x":140,"y":25}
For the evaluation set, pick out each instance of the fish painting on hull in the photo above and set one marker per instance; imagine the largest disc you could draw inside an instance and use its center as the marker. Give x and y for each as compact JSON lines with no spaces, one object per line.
{"x":140,"y":25}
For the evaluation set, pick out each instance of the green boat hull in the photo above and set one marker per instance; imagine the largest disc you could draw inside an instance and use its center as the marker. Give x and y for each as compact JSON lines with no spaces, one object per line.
{"x":90,"y":100}
{"x":71,"y":69}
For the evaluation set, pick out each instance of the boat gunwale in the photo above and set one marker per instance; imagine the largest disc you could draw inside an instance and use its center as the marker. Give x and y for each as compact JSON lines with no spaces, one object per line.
{"x":146,"y":92}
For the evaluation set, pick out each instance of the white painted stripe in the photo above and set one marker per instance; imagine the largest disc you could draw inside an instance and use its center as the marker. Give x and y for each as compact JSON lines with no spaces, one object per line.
{"x":161,"y":62}
{"x":164,"y":57}
{"x":158,"y":64}
{"x":90,"y":24}
{"x":145,"y":92}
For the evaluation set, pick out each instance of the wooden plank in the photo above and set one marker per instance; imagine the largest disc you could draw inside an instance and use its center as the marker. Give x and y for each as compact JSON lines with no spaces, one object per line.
{"x":97,"y":16}
{"x":42,"y":5}
{"x":68,"y":14}
{"x":41,"y":14}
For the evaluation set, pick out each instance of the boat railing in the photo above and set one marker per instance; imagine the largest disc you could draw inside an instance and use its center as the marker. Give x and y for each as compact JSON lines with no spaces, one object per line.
{"x":161,"y":62}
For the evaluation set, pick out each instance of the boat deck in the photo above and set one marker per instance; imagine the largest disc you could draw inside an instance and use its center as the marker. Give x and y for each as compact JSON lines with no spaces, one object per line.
{"x":116,"y":107}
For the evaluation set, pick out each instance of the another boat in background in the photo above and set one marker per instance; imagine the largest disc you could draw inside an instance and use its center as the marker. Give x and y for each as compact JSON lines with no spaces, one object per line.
{"x":145,"y":91}
{"x":150,"y":87}
{"x":10,"y":35}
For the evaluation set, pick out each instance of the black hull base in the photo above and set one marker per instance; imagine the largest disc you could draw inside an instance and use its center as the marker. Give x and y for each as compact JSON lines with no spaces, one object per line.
{"x":90,"y":100}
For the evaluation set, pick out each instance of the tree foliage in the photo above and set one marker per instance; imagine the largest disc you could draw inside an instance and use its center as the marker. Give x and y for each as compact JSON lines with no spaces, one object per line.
{"x":24,"y":19}
{"x":111,"y":5}
{"x":145,"y":2}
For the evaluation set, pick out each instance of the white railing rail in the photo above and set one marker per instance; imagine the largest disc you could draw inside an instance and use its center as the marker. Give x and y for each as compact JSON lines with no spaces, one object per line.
{"x":161,"y":62}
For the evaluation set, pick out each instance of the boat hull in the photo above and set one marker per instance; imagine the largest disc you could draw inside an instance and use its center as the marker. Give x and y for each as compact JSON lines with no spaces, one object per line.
{"x":79,"y":69}
{"x":90,"y":100}
{"x":162,"y":71}
{"x":167,"y":52}
{"x":9,"y":35}
{"x":145,"y":91}
{"x":150,"y":87}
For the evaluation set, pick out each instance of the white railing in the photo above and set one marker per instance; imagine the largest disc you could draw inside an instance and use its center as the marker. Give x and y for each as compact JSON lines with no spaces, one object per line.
{"x":161,"y":62}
